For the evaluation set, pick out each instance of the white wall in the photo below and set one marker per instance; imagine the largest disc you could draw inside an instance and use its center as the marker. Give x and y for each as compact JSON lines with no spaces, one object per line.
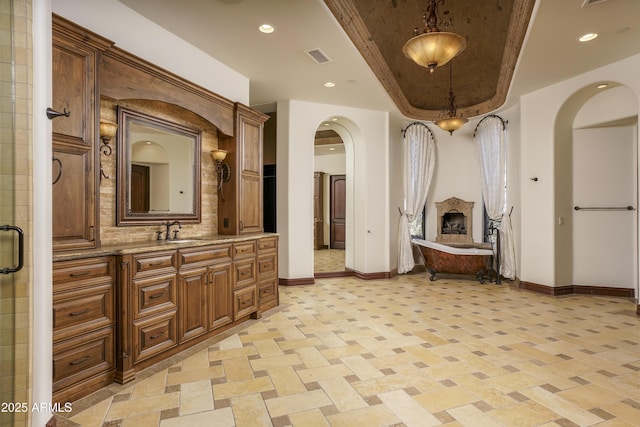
{"x":456,"y":174}
{"x":140,"y":36}
{"x":42,"y":292}
{"x":367,"y":182}
{"x":544,"y":113}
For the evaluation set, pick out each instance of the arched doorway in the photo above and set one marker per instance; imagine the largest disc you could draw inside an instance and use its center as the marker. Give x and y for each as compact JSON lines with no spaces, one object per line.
{"x":330,"y":199}
{"x":597,"y":178}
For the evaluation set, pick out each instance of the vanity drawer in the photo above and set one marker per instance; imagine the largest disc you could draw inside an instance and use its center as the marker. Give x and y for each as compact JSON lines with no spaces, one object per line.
{"x":82,"y":357}
{"x":82,"y":269}
{"x":81,"y":310}
{"x":245,"y":273}
{"x":154,"y":261}
{"x":154,"y":294}
{"x":267,"y":291}
{"x":267,"y":265}
{"x":153,"y":335}
{"x":245,"y":302}
{"x":244,"y":249}
{"x":217,"y":253}
{"x":267,"y":244}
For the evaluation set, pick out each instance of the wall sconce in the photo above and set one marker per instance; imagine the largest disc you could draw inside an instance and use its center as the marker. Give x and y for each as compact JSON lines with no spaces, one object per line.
{"x":223,"y":169}
{"x":107,"y":131}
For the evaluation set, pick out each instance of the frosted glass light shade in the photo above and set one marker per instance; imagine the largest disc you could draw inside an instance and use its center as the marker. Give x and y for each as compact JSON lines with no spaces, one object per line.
{"x":108,"y":130}
{"x":219,"y":155}
{"x":434,"y":49}
{"x":451,"y":124}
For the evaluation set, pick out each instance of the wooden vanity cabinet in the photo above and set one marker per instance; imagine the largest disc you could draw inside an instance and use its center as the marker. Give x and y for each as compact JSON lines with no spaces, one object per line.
{"x":154,"y":304}
{"x":75,"y":137}
{"x":205,"y":290}
{"x":245,"y":291}
{"x":172,"y":299}
{"x":147,"y":321}
{"x":267,"y":273}
{"x":240,"y":211}
{"x":83,"y":326}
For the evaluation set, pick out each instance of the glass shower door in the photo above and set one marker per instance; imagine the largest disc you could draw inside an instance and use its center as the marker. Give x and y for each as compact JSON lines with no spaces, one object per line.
{"x":14,"y":293}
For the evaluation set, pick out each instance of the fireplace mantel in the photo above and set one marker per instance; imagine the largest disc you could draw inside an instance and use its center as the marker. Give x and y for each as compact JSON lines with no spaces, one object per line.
{"x":455,"y":221}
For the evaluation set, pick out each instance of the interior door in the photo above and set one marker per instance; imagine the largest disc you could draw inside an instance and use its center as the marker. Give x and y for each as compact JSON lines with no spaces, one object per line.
{"x":338,"y":210}
{"x":140,"y":188}
{"x":604,"y":185}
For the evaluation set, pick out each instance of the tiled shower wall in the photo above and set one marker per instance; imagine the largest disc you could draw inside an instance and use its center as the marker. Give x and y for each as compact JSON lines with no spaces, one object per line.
{"x":16,"y":77}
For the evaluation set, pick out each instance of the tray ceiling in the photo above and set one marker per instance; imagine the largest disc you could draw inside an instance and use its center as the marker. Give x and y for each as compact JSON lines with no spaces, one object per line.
{"x":481,"y":74}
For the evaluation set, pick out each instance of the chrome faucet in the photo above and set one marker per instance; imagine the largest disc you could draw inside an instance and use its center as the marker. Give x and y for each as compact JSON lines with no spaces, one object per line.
{"x":168,"y":233}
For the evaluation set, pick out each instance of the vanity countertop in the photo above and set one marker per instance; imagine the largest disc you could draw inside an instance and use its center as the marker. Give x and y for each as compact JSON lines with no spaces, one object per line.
{"x":155,"y":245}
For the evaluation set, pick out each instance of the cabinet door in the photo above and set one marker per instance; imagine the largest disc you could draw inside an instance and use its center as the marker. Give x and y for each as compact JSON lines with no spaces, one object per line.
{"x":193,"y":303}
{"x":73,"y":90}
{"x":74,"y":138}
{"x":73,"y":194}
{"x":250,"y":185}
{"x":220,"y":295}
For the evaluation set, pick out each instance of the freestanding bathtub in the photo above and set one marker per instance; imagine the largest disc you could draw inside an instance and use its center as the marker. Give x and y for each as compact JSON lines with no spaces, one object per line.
{"x":440,"y":258}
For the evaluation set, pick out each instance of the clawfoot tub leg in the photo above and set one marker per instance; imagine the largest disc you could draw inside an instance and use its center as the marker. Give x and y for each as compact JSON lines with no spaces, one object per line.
{"x":480,"y":276}
{"x":432,"y":273}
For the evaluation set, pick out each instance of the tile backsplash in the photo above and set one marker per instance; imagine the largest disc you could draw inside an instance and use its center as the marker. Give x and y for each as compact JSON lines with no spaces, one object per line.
{"x":111,"y":234}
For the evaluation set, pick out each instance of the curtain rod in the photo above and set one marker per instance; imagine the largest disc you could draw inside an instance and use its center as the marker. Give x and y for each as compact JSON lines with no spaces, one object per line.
{"x":504,"y":122}
{"x":404,"y":131}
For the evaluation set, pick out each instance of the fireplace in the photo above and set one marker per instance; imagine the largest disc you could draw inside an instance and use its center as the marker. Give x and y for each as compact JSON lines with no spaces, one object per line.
{"x":455,"y":222}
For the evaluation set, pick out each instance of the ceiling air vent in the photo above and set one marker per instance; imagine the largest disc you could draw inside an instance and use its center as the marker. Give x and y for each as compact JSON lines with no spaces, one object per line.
{"x":586,"y":3}
{"x":318,"y":56}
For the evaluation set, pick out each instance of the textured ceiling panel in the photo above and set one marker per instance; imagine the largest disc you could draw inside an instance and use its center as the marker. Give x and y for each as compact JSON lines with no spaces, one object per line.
{"x":481,"y":74}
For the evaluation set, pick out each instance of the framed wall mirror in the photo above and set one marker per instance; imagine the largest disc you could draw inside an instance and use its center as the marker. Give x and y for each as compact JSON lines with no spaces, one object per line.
{"x":158,"y":170}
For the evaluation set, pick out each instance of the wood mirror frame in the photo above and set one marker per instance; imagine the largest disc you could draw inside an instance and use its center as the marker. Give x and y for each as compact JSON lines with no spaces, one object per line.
{"x":162,"y":169}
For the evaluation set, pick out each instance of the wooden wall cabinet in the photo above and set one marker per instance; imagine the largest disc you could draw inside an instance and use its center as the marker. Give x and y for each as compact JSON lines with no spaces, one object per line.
{"x":240,"y":210}
{"x":83,"y":327}
{"x":75,"y":137}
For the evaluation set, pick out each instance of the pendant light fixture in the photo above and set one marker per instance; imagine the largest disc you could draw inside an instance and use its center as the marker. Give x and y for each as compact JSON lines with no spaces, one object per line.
{"x":433,"y":48}
{"x":452,"y":122}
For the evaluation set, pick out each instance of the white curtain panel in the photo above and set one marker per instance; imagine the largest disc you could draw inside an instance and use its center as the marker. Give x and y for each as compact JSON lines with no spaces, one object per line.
{"x":419,"y":161}
{"x":507,"y":249}
{"x":491,"y":152}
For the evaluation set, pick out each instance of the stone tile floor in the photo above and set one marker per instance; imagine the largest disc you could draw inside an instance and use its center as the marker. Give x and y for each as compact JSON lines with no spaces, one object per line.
{"x":397,"y":352}
{"x":328,"y":260}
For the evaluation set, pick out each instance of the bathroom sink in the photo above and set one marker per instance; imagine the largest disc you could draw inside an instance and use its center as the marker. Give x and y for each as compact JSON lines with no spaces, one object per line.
{"x":190,"y":240}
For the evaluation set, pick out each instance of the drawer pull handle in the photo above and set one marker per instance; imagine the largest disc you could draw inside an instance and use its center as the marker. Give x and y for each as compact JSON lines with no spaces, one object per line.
{"x":79,"y":313}
{"x":79,"y":361}
{"x":153,"y":337}
{"x":158,"y":295}
{"x":154,"y":264}
{"x":84,"y":273}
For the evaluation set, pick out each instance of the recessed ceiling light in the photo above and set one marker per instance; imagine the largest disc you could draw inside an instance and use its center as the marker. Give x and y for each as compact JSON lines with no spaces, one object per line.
{"x":329,"y":84}
{"x":602,"y":86}
{"x":588,"y":37}
{"x":335,"y":119}
{"x":267,"y":28}
{"x":327,"y":124}
{"x":332,"y":149}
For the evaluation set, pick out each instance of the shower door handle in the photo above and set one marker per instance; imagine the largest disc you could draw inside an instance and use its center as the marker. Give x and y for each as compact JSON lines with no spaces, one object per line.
{"x":18,"y":267}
